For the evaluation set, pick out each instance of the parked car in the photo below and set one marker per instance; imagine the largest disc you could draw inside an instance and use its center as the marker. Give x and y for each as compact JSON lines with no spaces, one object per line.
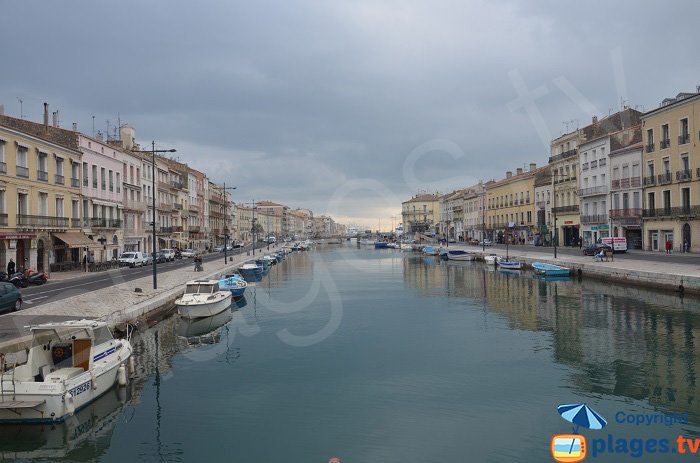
{"x":188,"y":253}
{"x":219,"y":249}
{"x":159,"y":257}
{"x":149,"y":259}
{"x":132,"y":259}
{"x":593,"y":249}
{"x":10,"y":297}
{"x":240,"y":244}
{"x":474,"y":242}
{"x":169,"y":254}
{"x":486,"y":242}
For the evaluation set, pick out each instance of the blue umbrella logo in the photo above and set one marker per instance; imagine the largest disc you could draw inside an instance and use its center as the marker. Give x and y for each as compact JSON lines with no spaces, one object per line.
{"x":581,"y":415}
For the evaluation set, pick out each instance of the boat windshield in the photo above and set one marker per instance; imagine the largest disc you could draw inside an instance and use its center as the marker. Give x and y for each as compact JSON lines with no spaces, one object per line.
{"x":199,"y":288}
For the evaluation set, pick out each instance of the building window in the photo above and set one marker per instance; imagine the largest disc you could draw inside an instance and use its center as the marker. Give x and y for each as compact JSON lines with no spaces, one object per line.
{"x":94,"y":176}
{"x":111,"y":180}
{"x":59,"y":171}
{"x":103,"y":180}
{"x":22,"y":168}
{"x":119,"y":183}
{"x":665,"y":140}
{"x":42,"y":171}
{"x":43,"y":204}
{"x":650,"y":140}
{"x":684,"y":136}
{"x":59,"y":207}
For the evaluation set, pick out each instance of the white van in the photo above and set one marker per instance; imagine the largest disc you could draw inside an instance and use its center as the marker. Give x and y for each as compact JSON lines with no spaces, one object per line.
{"x":133,"y":259}
{"x":169,"y":254}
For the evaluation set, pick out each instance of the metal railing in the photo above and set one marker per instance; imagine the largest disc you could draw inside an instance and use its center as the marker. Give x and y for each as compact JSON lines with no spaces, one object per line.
{"x":650,"y":180}
{"x":564,"y":155}
{"x":665,"y":143}
{"x":596,"y":218}
{"x":664,"y":212}
{"x":664,"y":178}
{"x":60,"y":179}
{"x":565,"y":209}
{"x":42,"y":175}
{"x":135,"y":205}
{"x":684,"y":175}
{"x":75,"y":223}
{"x":22,"y":171}
{"x":584,"y":166}
{"x":177,"y":206}
{"x":618,"y":213}
{"x":594,"y":164}
{"x":3,"y":220}
{"x":683,"y":139}
{"x":595,"y":190}
{"x":75,"y":183}
{"x":101,"y":222}
{"x":615,"y":184}
{"x":41,"y":221}
{"x":193,"y":229}
{"x":649,"y":148}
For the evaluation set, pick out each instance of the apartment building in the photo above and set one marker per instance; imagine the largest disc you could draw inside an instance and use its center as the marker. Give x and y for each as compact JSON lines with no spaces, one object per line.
{"x":134,"y":204}
{"x":626,"y":191}
{"x":671,"y":182}
{"x":510,"y":207}
{"x":421,"y":214}
{"x":544,"y":185}
{"x":563,"y":168}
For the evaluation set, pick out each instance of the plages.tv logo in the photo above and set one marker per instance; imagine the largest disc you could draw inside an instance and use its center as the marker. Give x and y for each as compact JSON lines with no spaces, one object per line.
{"x":572,"y":447}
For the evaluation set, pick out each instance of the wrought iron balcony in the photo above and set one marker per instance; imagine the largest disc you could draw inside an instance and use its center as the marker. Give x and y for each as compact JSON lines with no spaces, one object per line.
{"x":177,"y":206}
{"x":683,"y":139}
{"x":665,"y":143}
{"x":22,"y":171}
{"x":41,"y":221}
{"x":194,"y":229}
{"x":649,"y":148}
{"x":618,"y":213}
{"x":177,"y":228}
{"x":564,"y":155}
{"x":566,"y":209}
{"x":661,"y":212}
{"x":650,"y":180}
{"x":3,"y":168}
{"x":664,"y":178}
{"x":684,"y":175}
{"x":596,"y":190}
{"x":60,"y":180}
{"x":42,"y":175}
{"x":133,"y":205}
{"x":75,"y":183}
{"x":101,"y":222}
{"x":3,"y":220}
{"x":584,"y":166}
{"x":596,"y":218}
{"x":594,"y":164}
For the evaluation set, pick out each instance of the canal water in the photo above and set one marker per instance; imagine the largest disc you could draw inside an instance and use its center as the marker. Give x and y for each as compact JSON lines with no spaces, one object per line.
{"x":383,"y":356}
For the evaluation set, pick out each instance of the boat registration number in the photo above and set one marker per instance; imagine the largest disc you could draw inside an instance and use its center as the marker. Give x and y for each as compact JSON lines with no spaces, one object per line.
{"x":80,"y":389}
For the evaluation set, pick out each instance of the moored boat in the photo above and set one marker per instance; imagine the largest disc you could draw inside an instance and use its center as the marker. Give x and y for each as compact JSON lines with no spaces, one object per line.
{"x":543,"y":268}
{"x":69,"y":365}
{"x":202,"y":298}
{"x":430,"y":250}
{"x":250,"y":271}
{"x":491,"y":259}
{"x":380,"y":244}
{"x":511,"y":264}
{"x":460,"y":254}
{"x":233,"y":282}
{"x":406,"y":247}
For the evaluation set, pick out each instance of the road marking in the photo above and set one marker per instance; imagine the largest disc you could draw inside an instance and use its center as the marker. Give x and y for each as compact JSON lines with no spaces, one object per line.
{"x":30,"y":301}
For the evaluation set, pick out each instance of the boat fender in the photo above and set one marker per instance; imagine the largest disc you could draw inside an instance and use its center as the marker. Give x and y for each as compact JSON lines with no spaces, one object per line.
{"x":69,"y":404}
{"x":121,"y":375}
{"x":132,"y":367}
{"x":93,"y":381}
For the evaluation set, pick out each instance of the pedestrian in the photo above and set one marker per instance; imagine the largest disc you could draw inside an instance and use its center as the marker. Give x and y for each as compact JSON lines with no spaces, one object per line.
{"x":10,"y":267}
{"x":580,"y":242}
{"x":668,"y":246}
{"x":685,"y":245}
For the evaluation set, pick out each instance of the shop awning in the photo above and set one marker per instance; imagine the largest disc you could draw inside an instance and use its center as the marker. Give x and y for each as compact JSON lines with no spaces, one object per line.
{"x":76,"y":239}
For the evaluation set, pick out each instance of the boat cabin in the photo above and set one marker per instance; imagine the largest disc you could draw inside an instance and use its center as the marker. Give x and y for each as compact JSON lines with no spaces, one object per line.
{"x":202,"y":287}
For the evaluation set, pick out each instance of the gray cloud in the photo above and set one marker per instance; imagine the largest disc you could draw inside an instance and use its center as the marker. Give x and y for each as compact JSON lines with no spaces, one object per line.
{"x":291,"y":100}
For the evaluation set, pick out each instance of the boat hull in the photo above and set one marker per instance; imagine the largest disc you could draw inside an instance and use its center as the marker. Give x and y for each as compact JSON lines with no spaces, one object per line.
{"x":510,"y":264}
{"x":197,"y":309}
{"x":550,"y":269}
{"x":460,"y":256}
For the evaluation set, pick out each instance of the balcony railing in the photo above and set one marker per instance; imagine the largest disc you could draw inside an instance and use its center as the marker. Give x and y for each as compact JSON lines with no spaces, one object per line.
{"x":664,"y":212}
{"x":75,"y":223}
{"x":101,"y":222}
{"x":596,"y":190}
{"x":650,"y":180}
{"x":194,"y":208}
{"x":177,"y":206}
{"x":665,"y":143}
{"x":602,"y":162}
{"x":664,"y":178}
{"x":41,"y":221}
{"x":75,"y":183}
{"x":165,"y":206}
{"x":3,"y":168}
{"x":683,"y":139}
{"x":176,"y":185}
{"x":649,"y":148}
{"x":193,"y":229}
{"x":42,"y":175}
{"x":22,"y":171}
{"x":684,"y":175}
{"x":635,"y":182}
{"x":584,"y":166}
{"x":3,"y":220}
{"x":615,"y":184}
{"x":597,"y":218}
{"x":566,"y":209}
{"x":135,"y":205}
{"x":564,"y":155}
{"x":177,"y":229}
{"x":594,"y":164}
{"x":618,"y":213}
{"x":60,"y":179}
{"x":163,"y":185}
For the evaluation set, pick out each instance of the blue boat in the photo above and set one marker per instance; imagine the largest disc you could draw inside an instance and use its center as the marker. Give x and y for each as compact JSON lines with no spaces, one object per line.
{"x":510,"y":264}
{"x":380,"y":244}
{"x":430,"y":250}
{"x":233,"y":282}
{"x":251,"y":271}
{"x":542,"y":268}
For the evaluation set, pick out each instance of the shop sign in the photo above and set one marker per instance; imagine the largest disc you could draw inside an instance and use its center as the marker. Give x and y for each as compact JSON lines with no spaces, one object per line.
{"x":599,"y":227}
{"x":568,"y":222}
{"x":16,"y":236}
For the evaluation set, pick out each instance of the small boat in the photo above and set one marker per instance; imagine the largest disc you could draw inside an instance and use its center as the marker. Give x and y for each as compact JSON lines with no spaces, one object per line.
{"x":491,"y":259}
{"x":233,"y":282}
{"x":406,"y":247}
{"x":459,"y":254}
{"x":430,"y":250}
{"x":393,"y":245}
{"x":367,"y":242}
{"x":542,"y":268}
{"x":202,"y":298}
{"x":250,"y":271}
{"x":69,"y":365}
{"x":381,"y":245}
{"x":511,"y":264}
{"x":442,"y":252}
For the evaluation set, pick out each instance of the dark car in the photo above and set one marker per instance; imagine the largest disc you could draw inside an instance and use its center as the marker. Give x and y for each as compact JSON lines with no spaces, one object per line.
{"x":160,"y":257}
{"x":10,"y":297}
{"x":593,"y":249}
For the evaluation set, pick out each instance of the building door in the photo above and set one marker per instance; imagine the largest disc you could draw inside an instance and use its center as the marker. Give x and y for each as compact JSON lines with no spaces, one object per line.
{"x":654,"y":240}
{"x":19,"y":255}
{"x":686,"y":237}
{"x":40,"y":256}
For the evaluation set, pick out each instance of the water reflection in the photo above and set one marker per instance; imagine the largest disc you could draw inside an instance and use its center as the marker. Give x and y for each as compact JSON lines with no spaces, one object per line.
{"x":622,"y":341}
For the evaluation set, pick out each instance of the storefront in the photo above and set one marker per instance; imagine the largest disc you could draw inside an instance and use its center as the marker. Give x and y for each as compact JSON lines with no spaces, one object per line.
{"x":69,"y":249}
{"x":16,"y":246}
{"x":595,"y":233}
{"x":570,"y":233}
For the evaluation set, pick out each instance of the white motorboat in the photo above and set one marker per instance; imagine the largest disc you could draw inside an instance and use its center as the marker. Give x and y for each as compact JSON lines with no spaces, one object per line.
{"x":491,"y":259}
{"x":511,"y":264}
{"x":69,"y":365}
{"x":203,"y":298}
{"x":406,"y":247}
{"x":460,"y":255}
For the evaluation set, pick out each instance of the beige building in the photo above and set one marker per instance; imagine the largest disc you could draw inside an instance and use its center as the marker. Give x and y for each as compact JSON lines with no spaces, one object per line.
{"x":510,"y":207}
{"x":40,"y":201}
{"x":474,"y":206}
{"x":421,"y":214}
{"x":563,"y":168}
{"x":672,"y":175}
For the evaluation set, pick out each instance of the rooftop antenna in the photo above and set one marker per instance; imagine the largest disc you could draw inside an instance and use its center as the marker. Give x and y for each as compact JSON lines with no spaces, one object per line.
{"x":93,"y":126}
{"x":568,"y":123}
{"x":21,"y":111}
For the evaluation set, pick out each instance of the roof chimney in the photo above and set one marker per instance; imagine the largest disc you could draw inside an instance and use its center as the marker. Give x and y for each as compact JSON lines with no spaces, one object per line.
{"x":46,"y":117}
{"x":75,"y":126}
{"x":519,"y":171}
{"x":533,"y":167}
{"x":2,"y":109}
{"x":509,"y":174}
{"x":595,"y":119}
{"x":55,"y":118}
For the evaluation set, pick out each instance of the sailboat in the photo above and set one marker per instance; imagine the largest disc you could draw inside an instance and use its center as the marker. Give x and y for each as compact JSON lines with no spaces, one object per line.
{"x":509,"y":263}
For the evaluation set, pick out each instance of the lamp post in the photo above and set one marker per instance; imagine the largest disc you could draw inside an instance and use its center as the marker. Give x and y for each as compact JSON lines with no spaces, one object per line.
{"x":483,"y":217}
{"x":153,"y":152}
{"x":226,"y":230}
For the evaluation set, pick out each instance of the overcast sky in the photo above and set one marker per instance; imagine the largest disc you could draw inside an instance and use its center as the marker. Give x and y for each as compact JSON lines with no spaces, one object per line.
{"x":345,"y":107}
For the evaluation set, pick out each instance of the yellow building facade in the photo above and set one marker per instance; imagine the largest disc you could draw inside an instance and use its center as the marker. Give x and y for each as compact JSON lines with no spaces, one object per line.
{"x":421,"y":214}
{"x":671,"y":183}
{"x":510,"y":207}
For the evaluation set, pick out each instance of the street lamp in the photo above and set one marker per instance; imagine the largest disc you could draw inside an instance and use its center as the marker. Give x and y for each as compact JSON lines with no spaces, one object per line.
{"x":225,"y":225}
{"x":153,"y":152}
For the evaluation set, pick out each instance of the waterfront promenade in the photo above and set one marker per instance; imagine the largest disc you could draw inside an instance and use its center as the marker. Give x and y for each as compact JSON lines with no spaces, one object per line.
{"x":117,"y":303}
